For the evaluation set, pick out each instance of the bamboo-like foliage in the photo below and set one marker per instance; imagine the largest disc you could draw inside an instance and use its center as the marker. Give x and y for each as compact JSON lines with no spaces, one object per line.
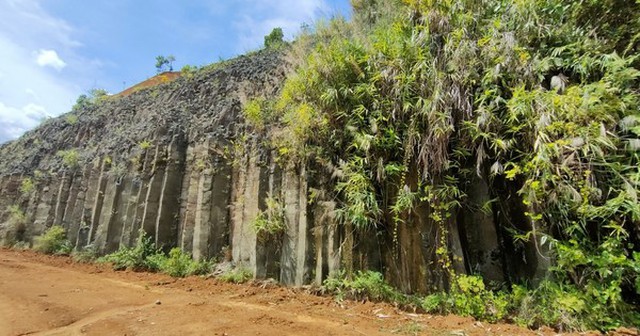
{"x":445,"y":85}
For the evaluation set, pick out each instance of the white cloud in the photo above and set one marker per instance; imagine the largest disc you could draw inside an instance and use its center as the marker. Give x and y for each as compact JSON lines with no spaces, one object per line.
{"x":29,"y":91}
{"x":16,"y":120}
{"x":50,"y":58}
{"x":261,"y":16}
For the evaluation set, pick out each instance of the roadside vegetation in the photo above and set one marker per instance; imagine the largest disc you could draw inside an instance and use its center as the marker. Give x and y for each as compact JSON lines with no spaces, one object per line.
{"x":408,"y":101}
{"x":144,"y":256}
{"x":53,"y":241}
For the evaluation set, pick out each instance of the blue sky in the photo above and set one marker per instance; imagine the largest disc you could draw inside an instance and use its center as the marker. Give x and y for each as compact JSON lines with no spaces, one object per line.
{"x":51,"y":51}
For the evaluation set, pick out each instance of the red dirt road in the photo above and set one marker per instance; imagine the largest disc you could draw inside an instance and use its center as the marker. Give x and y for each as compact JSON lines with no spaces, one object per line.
{"x":42,"y":295}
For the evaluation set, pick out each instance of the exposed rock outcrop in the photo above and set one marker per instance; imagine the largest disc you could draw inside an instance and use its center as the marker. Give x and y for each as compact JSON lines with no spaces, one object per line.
{"x":178,"y":162}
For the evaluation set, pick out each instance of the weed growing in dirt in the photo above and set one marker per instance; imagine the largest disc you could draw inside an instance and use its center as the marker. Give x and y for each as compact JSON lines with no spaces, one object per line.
{"x":237,"y":275}
{"x":367,"y":285}
{"x":85,"y":256}
{"x":411,"y":328}
{"x":21,"y":246}
{"x":53,"y":241}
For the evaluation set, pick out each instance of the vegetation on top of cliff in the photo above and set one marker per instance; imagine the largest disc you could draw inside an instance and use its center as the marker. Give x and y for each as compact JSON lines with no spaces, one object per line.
{"x":275,"y":39}
{"x":405,"y":103}
{"x":164,"y":63}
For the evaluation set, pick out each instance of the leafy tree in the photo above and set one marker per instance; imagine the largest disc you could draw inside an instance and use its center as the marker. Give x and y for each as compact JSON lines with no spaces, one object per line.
{"x":89,"y":99}
{"x":275,"y":39}
{"x":163,"y":63}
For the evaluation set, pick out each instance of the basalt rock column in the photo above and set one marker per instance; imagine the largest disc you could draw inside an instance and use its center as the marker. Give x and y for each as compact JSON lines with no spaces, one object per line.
{"x":166,"y":226}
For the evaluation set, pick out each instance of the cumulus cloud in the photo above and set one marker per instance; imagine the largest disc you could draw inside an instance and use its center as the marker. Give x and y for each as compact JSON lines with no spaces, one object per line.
{"x":15,"y":120}
{"x":31,"y":41}
{"x":50,"y":58}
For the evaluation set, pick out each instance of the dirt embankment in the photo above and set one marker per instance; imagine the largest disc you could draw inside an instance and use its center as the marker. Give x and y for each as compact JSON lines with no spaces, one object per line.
{"x":43,"y":295}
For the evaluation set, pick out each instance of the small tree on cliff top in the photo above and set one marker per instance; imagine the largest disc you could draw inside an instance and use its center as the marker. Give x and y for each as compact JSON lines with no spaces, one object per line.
{"x":164,"y":63}
{"x":275,"y":39}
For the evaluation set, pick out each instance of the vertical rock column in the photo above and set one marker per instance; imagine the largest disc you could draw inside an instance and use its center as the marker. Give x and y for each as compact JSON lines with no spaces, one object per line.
{"x":154,"y":191}
{"x":480,"y":234}
{"x":71,"y":218}
{"x":327,"y":242}
{"x":246,"y":209}
{"x":45,"y":209}
{"x":297,"y":239}
{"x":77,"y":216}
{"x":211,"y":217}
{"x":98,"y":199}
{"x":269,"y":248}
{"x":129,"y":205}
{"x":108,"y":215}
{"x":121,"y":201}
{"x":63,"y":197}
{"x":166,"y":226}
{"x":137,"y":205}
{"x":190,"y":187}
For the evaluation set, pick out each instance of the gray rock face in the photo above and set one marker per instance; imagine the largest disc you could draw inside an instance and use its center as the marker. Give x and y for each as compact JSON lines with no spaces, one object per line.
{"x":178,"y":162}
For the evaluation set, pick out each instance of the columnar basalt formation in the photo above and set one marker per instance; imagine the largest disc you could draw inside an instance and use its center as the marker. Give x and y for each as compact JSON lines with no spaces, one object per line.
{"x":178,"y":162}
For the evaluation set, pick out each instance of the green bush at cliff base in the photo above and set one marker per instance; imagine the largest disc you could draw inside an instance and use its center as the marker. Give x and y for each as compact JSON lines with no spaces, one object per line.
{"x":14,"y":227}
{"x":178,"y":264}
{"x":469,"y":297}
{"x":53,"y":241}
{"x":551,"y":303}
{"x":144,"y":256}
{"x":136,"y":258}
{"x":562,"y":306}
{"x":362,"y":285}
{"x":237,"y":275}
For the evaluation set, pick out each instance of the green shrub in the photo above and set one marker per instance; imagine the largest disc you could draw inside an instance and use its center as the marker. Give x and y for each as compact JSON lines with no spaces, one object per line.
{"x":179,"y":264}
{"x":53,"y":241}
{"x":253,"y":113}
{"x":15,"y":226}
{"x":27,"y":186}
{"x":144,"y":256}
{"x":562,"y":306}
{"x":567,"y":307}
{"x":70,"y":157}
{"x":140,"y":257}
{"x":71,"y":119}
{"x":237,"y":275}
{"x":189,"y":71}
{"x":275,"y":39}
{"x":469,"y":297}
{"x":259,"y":113}
{"x":362,"y":285}
{"x":146,"y":144}
{"x":271,"y":221}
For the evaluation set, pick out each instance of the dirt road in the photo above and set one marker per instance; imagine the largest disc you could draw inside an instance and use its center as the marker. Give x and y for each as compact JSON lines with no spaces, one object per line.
{"x":42,"y":295}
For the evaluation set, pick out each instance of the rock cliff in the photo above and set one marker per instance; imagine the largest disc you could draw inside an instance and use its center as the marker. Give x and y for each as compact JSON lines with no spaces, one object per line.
{"x":179,"y":162}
